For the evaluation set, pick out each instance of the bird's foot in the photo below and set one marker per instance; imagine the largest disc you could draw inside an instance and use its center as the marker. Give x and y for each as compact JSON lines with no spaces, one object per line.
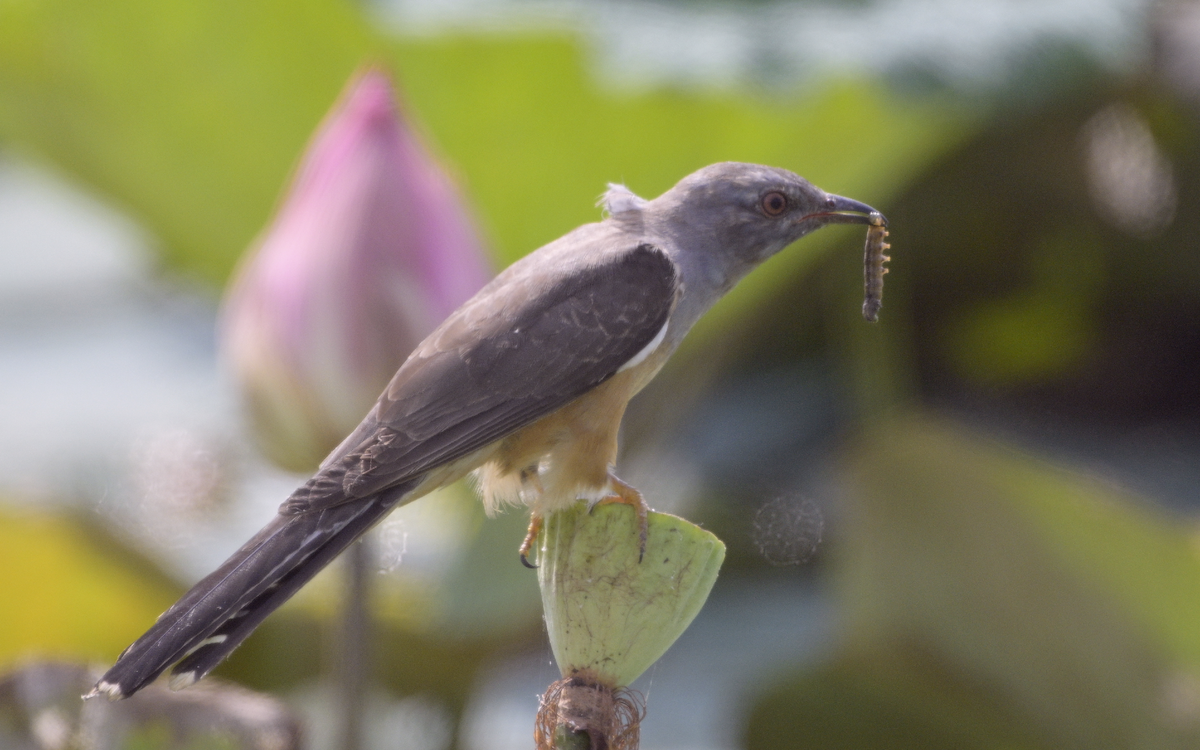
{"x":535,"y":526}
{"x":623,"y":493}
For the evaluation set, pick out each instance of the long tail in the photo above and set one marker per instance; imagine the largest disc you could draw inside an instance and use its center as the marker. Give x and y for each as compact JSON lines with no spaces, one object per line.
{"x":219,"y":612}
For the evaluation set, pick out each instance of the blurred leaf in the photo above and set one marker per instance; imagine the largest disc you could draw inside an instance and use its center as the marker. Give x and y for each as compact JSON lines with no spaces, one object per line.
{"x":994,"y":601}
{"x":192,"y":114}
{"x":891,"y":697}
{"x":538,"y":139}
{"x":1020,"y":339}
{"x":67,"y":594}
{"x":1110,"y":538}
{"x":1047,"y":329}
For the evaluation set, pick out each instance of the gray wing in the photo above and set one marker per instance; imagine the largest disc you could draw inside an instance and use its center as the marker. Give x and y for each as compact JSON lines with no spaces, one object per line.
{"x":528,"y":344}
{"x":518,"y":352}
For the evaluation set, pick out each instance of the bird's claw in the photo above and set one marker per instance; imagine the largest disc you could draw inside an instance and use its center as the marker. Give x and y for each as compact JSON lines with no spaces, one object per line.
{"x":622,"y":493}
{"x":535,"y":526}
{"x":626,"y":495}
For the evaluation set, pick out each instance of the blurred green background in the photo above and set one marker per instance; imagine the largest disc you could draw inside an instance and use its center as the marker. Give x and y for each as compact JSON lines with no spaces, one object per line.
{"x":969,"y":526}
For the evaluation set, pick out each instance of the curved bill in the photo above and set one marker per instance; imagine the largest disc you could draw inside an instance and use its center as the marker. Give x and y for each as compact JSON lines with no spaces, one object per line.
{"x":839,"y":210}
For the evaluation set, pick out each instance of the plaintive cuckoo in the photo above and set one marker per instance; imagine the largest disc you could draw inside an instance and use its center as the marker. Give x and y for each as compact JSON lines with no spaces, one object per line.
{"x":525,"y":385}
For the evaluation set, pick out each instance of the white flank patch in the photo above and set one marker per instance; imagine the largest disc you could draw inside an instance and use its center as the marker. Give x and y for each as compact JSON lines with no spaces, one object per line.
{"x":181,"y":680}
{"x":641,"y":356}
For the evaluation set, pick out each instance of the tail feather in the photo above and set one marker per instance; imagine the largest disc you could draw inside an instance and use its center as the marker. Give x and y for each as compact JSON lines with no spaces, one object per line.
{"x":220,"y":611}
{"x":204,"y":657}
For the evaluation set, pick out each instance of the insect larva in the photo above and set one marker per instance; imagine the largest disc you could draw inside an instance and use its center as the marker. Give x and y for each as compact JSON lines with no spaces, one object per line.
{"x":873,"y":268}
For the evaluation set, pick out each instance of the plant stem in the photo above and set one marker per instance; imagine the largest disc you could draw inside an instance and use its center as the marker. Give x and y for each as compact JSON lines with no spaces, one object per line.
{"x":354,"y":646}
{"x":566,"y":739}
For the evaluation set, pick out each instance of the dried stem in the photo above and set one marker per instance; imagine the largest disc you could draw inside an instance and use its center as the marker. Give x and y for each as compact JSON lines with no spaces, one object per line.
{"x":582,"y":713}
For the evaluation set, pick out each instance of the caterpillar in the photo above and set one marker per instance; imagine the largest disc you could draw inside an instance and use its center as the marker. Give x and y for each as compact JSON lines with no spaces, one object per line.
{"x":873,"y":268}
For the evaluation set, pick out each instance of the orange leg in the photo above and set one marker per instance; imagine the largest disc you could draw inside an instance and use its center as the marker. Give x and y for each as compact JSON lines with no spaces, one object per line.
{"x":530,"y":482}
{"x":535,"y":526}
{"x":623,"y":493}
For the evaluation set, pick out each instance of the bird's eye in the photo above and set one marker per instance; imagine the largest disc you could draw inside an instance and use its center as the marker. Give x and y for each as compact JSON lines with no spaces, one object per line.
{"x":774,"y":203}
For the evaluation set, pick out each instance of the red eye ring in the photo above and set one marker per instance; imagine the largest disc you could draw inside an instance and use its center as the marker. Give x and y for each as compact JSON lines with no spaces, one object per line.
{"x":774,"y":203}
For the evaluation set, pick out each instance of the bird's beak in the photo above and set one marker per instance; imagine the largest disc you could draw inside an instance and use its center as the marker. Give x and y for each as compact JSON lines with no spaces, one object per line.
{"x":839,"y":210}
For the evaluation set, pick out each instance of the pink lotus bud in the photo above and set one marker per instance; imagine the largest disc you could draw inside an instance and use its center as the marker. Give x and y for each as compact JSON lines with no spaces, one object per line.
{"x":370,"y":250}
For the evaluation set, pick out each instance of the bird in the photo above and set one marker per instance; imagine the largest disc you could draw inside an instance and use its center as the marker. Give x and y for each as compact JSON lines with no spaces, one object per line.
{"x":524,"y":387}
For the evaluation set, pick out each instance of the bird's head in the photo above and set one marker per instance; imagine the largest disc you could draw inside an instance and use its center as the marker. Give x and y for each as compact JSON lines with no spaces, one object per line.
{"x":749,"y":212}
